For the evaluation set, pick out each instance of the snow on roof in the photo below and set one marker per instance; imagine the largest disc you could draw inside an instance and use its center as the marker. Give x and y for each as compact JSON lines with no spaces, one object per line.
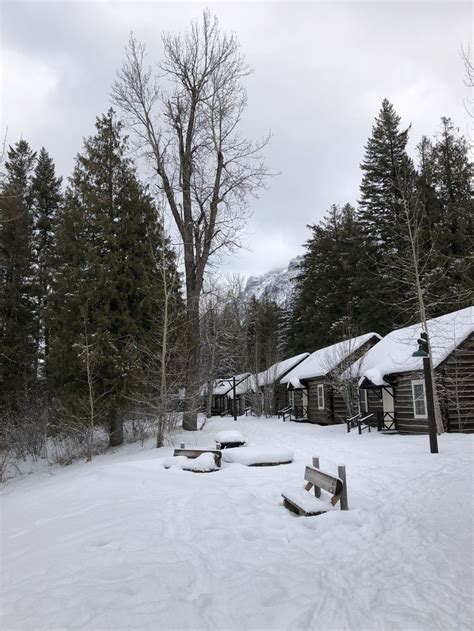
{"x":393,"y":354}
{"x":223,"y":386}
{"x":326,"y":359}
{"x":275,"y":372}
{"x":295,"y":383}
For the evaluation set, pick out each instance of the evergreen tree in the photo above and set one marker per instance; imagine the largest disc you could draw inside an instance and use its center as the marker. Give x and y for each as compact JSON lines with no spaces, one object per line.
{"x":264,"y":321}
{"x":107,"y":278}
{"x":46,"y":197}
{"x":387,"y":171}
{"x":326,"y":302}
{"x":452,"y":179}
{"x":17,"y":299}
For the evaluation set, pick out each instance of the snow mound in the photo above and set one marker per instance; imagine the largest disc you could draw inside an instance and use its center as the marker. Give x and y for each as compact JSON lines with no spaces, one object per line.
{"x":253,"y":456}
{"x":307,"y":501}
{"x":202,"y":464}
{"x":229,"y":436}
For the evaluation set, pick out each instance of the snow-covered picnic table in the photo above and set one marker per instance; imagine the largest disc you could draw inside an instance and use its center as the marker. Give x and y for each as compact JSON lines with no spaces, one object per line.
{"x":258,"y":456}
{"x":230,"y":438}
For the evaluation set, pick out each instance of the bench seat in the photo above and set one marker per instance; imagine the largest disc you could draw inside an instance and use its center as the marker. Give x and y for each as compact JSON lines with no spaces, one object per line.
{"x":301,"y":502}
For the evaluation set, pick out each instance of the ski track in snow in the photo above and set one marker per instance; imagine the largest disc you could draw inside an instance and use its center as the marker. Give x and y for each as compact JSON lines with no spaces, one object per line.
{"x":122,"y":543}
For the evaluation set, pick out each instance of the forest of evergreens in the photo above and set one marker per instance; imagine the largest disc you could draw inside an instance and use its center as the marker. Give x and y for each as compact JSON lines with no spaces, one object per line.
{"x":92,"y":300}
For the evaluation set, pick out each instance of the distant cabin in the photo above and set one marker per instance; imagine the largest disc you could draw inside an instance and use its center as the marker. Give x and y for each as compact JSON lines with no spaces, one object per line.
{"x":265,"y":391}
{"x":312,"y":388}
{"x":392,"y":383}
{"x":222,"y":391}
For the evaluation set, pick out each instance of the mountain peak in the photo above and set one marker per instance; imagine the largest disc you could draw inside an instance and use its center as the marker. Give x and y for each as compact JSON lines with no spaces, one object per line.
{"x":277,"y":284}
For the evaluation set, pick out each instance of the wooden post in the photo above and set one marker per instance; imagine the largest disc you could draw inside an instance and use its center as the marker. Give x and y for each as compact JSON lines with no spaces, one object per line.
{"x":234,"y":401}
{"x":341,"y":472}
{"x":430,"y":405}
{"x":218,"y":445}
{"x":317,"y":490}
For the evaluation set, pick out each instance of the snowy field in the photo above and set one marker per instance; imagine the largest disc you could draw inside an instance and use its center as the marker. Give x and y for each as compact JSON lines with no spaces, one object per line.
{"x":123,"y":543}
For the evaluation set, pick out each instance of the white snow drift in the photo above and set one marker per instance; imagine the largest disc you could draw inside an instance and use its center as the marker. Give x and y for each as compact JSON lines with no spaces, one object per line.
{"x":122,"y":543}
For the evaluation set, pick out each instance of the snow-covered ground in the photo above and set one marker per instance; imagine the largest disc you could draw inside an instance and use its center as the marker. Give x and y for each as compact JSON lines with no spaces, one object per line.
{"x":123,"y":543}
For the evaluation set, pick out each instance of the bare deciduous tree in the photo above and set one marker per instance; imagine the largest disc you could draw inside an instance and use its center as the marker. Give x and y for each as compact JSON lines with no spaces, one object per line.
{"x":417,"y":258}
{"x":187,"y":123}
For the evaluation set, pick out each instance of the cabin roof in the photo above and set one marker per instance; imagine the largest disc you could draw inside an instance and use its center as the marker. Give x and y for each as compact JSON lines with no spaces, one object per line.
{"x":224,"y":385}
{"x":393,"y":354}
{"x":322,"y":361}
{"x":274,"y":373}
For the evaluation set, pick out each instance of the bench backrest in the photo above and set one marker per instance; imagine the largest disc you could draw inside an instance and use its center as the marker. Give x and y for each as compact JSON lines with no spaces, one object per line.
{"x":323,"y":480}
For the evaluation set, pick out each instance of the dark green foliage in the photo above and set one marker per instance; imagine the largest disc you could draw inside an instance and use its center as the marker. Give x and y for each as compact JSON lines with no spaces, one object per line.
{"x":107,"y":279}
{"x":45,"y":199}
{"x":18,"y":308}
{"x":264,"y":321}
{"x":327,"y":299}
{"x":451,"y":181}
{"x":388,"y":175}
{"x":358,"y":273}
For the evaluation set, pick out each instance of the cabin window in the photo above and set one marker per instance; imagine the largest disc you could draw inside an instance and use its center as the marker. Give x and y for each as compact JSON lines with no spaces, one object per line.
{"x":419,"y":398}
{"x":320,"y":396}
{"x":363,"y":402}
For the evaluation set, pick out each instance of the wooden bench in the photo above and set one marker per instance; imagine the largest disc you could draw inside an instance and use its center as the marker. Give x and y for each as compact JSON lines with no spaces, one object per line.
{"x":302,"y":502}
{"x":194,"y":453}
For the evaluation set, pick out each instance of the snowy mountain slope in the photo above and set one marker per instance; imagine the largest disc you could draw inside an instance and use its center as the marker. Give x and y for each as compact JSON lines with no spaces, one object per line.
{"x":278,"y":285}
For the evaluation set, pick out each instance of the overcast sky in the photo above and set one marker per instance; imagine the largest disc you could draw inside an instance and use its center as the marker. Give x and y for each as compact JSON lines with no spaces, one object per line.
{"x":321,"y":71}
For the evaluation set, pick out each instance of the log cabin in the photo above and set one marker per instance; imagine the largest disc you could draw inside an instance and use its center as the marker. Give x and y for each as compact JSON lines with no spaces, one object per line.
{"x":315,"y":388}
{"x":263,"y":391}
{"x":392,"y":384}
{"x":222,"y":390}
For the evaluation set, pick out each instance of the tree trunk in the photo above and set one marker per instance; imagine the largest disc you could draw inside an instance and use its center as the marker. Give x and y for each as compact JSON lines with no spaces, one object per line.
{"x":192,"y":365}
{"x":115,"y":428}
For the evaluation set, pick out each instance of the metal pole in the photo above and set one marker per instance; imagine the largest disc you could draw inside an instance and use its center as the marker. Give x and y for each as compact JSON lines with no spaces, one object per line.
{"x":430,"y":406}
{"x":235,"y":399}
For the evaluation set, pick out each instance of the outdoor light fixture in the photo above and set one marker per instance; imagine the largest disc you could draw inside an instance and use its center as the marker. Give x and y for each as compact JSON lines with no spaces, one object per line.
{"x":420,"y":352}
{"x":424,"y":352}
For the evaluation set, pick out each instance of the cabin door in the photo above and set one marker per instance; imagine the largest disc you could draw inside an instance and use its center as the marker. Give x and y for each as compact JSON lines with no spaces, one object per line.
{"x":388,"y":401}
{"x":305,"y":403}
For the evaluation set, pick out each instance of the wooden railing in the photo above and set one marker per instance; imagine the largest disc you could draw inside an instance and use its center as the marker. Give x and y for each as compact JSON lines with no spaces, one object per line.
{"x":300,"y":412}
{"x":352,"y":421}
{"x":285,"y":412}
{"x":364,"y":422}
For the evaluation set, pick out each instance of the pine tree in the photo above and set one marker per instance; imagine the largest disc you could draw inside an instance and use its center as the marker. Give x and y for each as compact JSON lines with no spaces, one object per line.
{"x":387,"y":170}
{"x":46,"y":197}
{"x":328,"y":291}
{"x":452,"y":180}
{"x":106,"y":275}
{"x":17,"y":299}
{"x":264,"y":320}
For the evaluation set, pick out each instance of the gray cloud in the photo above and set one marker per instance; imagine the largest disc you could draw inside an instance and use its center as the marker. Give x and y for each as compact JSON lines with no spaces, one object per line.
{"x":321,"y":71}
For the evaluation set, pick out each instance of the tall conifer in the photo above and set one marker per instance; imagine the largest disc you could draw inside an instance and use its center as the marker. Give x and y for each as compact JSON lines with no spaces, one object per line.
{"x":106,"y":278}
{"x":45,"y":198}
{"x":17,"y":300}
{"x":387,"y":171}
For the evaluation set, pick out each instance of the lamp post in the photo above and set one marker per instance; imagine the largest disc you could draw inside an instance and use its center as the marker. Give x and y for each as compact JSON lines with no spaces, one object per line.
{"x":424,"y":352}
{"x":234,"y":399}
